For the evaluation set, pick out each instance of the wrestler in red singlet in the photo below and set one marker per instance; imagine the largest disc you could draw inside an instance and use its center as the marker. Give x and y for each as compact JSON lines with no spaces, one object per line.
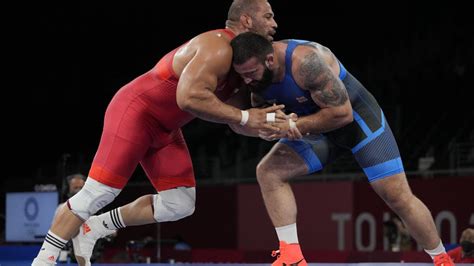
{"x":142,"y":125}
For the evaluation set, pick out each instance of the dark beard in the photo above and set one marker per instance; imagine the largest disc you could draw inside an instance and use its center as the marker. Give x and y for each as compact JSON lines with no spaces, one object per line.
{"x":258,"y":86}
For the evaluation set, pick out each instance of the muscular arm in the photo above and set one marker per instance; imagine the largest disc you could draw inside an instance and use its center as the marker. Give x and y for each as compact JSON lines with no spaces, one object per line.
{"x":327,"y":91}
{"x":199,"y":79}
{"x":242,"y":101}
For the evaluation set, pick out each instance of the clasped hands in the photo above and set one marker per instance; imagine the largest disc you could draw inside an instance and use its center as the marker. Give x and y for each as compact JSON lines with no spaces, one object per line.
{"x":283,"y":127}
{"x":272,"y":123}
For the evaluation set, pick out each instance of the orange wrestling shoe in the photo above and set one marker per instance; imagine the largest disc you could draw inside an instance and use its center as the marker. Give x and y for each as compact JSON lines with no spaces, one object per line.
{"x":443,"y":260}
{"x":289,"y":255}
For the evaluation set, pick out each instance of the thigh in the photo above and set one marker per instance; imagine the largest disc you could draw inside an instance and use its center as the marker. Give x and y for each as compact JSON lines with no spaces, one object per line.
{"x":123,"y":143}
{"x":392,"y":189}
{"x":379,"y":157}
{"x":170,"y":166}
{"x":315,"y":152}
{"x":283,"y":161}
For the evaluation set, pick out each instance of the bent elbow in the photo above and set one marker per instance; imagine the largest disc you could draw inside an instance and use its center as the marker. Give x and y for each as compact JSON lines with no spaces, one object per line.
{"x":344,"y":116}
{"x":347,"y":113}
{"x":349,"y":117}
{"x":183,"y":104}
{"x":192,"y":100}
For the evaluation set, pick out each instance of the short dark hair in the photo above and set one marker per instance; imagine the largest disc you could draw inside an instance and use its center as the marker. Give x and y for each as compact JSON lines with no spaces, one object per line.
{"x":247,"y":45}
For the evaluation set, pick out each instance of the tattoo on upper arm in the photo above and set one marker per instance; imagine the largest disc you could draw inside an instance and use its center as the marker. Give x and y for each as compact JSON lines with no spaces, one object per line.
{"x":325,"y":87}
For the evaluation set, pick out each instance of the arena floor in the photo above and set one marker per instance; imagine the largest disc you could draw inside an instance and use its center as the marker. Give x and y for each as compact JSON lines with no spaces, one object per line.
{"x":28,"y":263}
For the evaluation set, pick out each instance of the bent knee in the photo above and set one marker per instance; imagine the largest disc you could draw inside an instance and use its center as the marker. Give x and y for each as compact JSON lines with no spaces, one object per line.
{"x":91,"y":198}
{"x":264,"y":175}
{"x":174,"y":204}
{"x":185,"y":206}
{"x":269,"y":175}
{"x":186,"y":211}
{"x":394,"y":190}
{"x":398,"y":199}
{"x":261,"y":171}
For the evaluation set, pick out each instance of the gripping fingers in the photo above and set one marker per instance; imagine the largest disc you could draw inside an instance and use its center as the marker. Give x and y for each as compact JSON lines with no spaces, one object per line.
{"x":273,"y":108}
{"x":295,"y":133}
{"x":265,"y":134}
{"x":271,"y":127}
{"x":264,"y":137}
{"x":280,"y":117}
{"x":271,"y":137}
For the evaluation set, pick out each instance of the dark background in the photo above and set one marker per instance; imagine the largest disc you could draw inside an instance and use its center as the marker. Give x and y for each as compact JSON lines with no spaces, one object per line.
{"x":66,"y":62}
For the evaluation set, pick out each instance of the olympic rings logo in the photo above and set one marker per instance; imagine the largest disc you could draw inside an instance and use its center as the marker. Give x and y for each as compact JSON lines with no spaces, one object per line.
{"x":31,"y":209}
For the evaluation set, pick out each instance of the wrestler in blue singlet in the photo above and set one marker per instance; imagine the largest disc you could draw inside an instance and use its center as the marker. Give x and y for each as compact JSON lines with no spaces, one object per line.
{"x":368,"y":137}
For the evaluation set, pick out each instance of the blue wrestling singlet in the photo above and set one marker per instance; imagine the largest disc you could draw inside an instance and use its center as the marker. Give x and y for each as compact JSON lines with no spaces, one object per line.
{"x":368,"y":137}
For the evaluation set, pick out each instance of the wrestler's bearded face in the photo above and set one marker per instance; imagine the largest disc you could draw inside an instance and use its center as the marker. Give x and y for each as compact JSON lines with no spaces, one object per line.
{"x":258,"y":86}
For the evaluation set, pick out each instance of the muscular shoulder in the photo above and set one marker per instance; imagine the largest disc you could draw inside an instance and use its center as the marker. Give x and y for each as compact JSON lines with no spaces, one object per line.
{"x":210,"y":52}
{"x":315,"y":69}
{"x":310,"y":61}
{"x":307,"y":64}
{"x":213,"y":48}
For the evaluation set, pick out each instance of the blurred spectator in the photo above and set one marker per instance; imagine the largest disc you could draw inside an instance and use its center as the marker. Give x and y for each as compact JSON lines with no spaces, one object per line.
{"x":391,"y":233}
{"x":74,"y":183}
{"x":464,"y":253}
{"x":181,"y":244}
{"x":426,"y":162}
{"x":141,"y":250}
{"x":399,"y":238}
